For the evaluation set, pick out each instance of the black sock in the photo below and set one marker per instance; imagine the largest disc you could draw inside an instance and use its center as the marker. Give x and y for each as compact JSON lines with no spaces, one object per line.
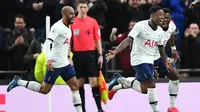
{"x":97,"y":97}
{"x":82,"y":94}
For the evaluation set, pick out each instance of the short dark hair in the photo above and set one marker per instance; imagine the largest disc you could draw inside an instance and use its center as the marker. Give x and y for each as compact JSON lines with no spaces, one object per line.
{"x":82,"y":2}
{"x":154,"y":9}
{"x":20,"y":16}
{"x":194,"y":23}
{"x":167,"y":10}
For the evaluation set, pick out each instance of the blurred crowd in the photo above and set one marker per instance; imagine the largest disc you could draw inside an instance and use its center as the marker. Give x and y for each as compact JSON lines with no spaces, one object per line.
{"x":22,"y":28}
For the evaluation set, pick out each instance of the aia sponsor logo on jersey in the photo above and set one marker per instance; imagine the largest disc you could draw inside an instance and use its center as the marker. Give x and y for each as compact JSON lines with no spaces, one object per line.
{"x":150,"y":43}
{"x":66,"y":41}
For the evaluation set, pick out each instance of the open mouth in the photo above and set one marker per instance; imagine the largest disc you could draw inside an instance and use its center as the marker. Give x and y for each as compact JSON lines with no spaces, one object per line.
{"x":165,"y":22}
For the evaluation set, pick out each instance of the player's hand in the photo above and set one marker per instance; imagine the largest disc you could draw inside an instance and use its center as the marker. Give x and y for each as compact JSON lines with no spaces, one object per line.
{"x":175,"y":55}
{"x":50,"y":65}
{"x":169,"y":66}
{"x":110,"y":55}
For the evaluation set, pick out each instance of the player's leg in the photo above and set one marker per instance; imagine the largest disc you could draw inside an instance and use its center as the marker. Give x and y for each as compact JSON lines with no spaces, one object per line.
{"x":113,"y":90}
{"x":146,"y":77}
{"x":173,"y":86}
{"x":43,"y":88}
{"x":129,"y":82}
{"x":79,"y":60}
{"x":121,"y":86}
{"x":92,"y":73}
{"x":69,"y":76}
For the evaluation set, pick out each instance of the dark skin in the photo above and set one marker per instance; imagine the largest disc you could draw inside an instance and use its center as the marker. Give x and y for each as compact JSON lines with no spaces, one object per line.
{"x":165,"y":26}
{"x":154,"y":22}
{"x":172,"y":74}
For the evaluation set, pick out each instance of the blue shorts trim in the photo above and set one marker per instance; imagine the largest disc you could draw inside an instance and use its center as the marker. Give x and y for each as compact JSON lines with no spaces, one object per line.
{"x":161,"y":66}
{"x":66,"y":73}
{"x":144,"y":72}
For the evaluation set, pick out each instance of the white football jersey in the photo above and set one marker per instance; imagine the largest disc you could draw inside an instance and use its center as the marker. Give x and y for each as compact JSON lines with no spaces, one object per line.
{"x":166,"y":36}
{"x":60,"y":34}
{"x":144,"y":43}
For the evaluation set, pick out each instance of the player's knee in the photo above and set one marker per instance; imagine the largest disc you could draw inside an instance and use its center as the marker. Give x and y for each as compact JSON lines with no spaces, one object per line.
{"x":74,"y":86}
{"x":150,"y":83}
{"x":144,"y":92}
{"x":173,"y":76}
{"x":44,"y":90}
{"x":81,"y":82}
{"x":143,"y":88}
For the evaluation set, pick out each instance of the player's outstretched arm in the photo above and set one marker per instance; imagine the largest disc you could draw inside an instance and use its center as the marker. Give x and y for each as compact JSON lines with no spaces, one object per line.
{"x":123,"y":45}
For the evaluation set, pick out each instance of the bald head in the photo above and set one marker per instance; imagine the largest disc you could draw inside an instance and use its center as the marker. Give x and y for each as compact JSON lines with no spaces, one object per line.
{"x":67,"y":15}
{"x":66,"y":10}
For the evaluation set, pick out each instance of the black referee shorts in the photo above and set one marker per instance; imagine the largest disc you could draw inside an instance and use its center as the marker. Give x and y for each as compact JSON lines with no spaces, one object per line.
{"x":85,"y":64}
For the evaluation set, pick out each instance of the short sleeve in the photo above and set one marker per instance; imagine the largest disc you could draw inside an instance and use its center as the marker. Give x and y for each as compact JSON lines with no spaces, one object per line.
{"x":97,"y":32}
{"x":53,"y":34}
{"x":134,"y":31}
{"x":173,"y":26}
{"x":161,"y":40}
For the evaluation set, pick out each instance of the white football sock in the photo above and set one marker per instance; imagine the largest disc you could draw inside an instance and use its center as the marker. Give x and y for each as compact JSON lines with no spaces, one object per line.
{"x":173,"y":91}
{"x":119,"y":87}
{"x":130,"y":82}
{"x":76,"y":99}
{"x":153,"y":99}
{"x":125,"y":81}
{"x":31,"y":85}
{"x":136,"y":85}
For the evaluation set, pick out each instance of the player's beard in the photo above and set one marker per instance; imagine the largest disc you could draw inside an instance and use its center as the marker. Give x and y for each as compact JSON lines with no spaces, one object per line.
{"x":71,"y":21}
{"x":165,"y":28}
{"x":165,"y":24}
